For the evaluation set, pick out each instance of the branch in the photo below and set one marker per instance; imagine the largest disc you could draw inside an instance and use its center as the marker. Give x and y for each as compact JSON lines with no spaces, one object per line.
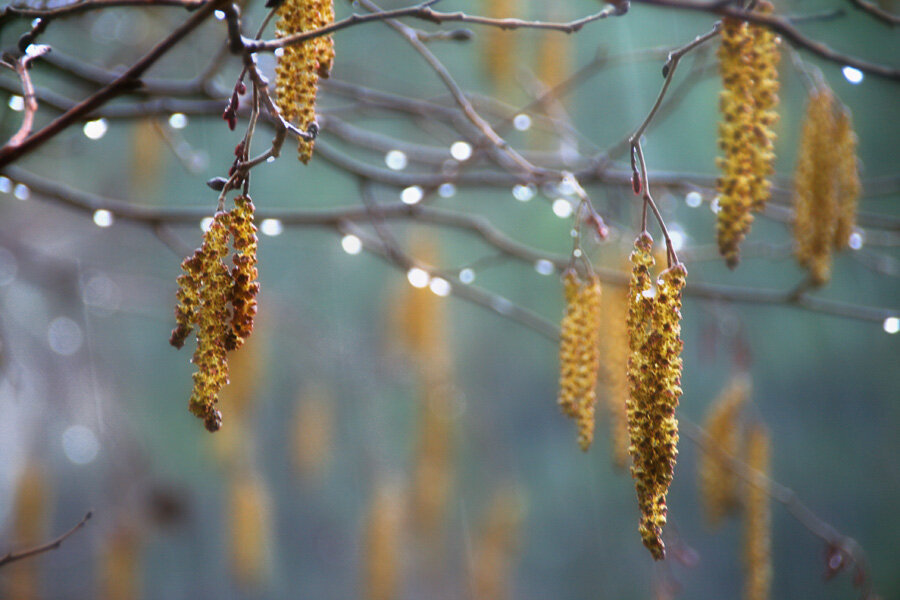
{"x":88,"y":5}
{"x":877,"y":12}
{"x":14,"y":556}
{"x":787,"y":30}
{"x":21,"y":66}
{"x":128,"y":80}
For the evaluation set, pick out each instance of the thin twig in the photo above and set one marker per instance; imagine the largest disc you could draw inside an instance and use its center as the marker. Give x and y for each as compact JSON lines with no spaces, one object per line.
{"x":14,"y":556}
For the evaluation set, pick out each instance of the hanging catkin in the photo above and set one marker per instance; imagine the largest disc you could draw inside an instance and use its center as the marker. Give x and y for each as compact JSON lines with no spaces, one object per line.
{"x":748,"y":61}
{"x":654,"y":375}
{"x":218,"y":304}
{"x":579,"y":353}
{"x":757,"y":519}
{"x":718,"y":484}
{"x":614,"y":346}
{"x":300,"y":66}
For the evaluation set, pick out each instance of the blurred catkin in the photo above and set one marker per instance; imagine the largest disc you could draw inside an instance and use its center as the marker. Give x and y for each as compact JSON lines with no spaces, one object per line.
{"x":654,"y":375}
{"x":614,"y":361}
{"x":499,"y":48}
{"x":120,"y":564}
{"x":30,"y":518}
{"x":757,"y":519}
{"x":298,"y":69}
{"x":382,"y":544}
{"x":496,"y":544}
{"x":313,"y":431}
{"x":249,"y":527}
{"x":718,"y":483}
{"x":824,"y":162}
{"x":748,"y":61}
{"x":579,"y":353}
{"x":849,"y":187}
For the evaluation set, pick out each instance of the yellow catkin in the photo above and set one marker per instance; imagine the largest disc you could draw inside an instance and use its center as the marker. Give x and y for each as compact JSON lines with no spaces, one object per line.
{"x":147,"y":156}
{"x":298,"y":69}
{"x":382,"y":543}
{"x":499,"y":46}
{"x":120,"y":564}
{"x":30,"y":516}
{"x":212,"y":324}
{"x":614,"y":361}
{"x":496,"y":544}
{"x":757,"y":520}
{"x":654,"y":375}
{"x":313,"y":431}
{"x":245,"y":287}
{"x":579,"y":353}
{"x":718,"y":483}
{"x":249,"y":527}
{"x":748,"y":61}
{"x":849,"y":187}
{"x":815,"y":192}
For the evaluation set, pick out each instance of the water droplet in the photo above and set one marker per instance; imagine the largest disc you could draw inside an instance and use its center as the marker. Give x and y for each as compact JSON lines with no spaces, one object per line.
{"x":412,"y":195}
{"x":467,"y":275}
{"x":351,"y":244}
{"x":219,"y":14}
{"x":103,"y":218}
{"x":21,"y":191}
{"x":395,"y":160}
{"x":544,"y":267}
{"x":64,"y":336}
{"x":562,"y":208}
{"x":271,"y":227}
{"x":80,"y":445}
{"x":461,"y":150}
{"x":440,"y":286}
{"x":856,"y":240}
{"x":279,"y":52}
{"x":523,"y":193}
{"x":447,"y":190}
{"x":206,"y":223}
{"x":853,"y":75}
{"x":522,"y":122}
{"x":892,"y":325}
{"x":96,"y":129}
{"x":6,"y":184}
{"x":178,"y":121}
{"x":418,"y":278}
{"x":714,"y":205}
{"x":17,"y":103}
{"x":678,"y":238}
{"x":693,"y":199}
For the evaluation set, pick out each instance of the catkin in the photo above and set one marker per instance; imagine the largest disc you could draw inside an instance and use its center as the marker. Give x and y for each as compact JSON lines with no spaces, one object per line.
{"x":757,"y":519}
{"x":815,"y":192}
{"x":499,"y":46}
{"x":614,"y":346}
{"x":120,"y":564}
{"x":748,"y":61}
{"x":579,"y":353}
{"x":218,"y":304}
{"x":249,"y":523}
{"x":849,"y":187}
{"x":718,"y":483}
{"x":496,"y":544}
{"x":245,"y":287}
{"x":382,"y":543}
{"x":654,"y":375}
{"x":298,"y":69}
{"x":313,"y":431}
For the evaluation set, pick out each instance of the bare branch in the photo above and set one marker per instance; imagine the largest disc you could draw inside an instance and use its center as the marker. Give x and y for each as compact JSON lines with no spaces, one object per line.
{"x":14,"y":556}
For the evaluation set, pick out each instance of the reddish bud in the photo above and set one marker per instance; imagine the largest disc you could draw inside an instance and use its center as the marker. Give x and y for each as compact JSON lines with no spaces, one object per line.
{"x":636,"y":183}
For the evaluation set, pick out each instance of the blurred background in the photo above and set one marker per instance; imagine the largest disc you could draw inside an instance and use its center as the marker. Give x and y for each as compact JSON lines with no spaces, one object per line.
{"x":382,"y":440}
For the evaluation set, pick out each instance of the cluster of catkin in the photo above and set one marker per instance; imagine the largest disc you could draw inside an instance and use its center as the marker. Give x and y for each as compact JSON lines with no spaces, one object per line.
{"x":654,"y":377}
{"x":722,"y":493}
{"x":579,"y":352}
{"x":748,"y":60}
{"x":717,"y":482}
{"x":219,"y":304}
{"x":826,"y":185}
{"x":299,"y":68}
